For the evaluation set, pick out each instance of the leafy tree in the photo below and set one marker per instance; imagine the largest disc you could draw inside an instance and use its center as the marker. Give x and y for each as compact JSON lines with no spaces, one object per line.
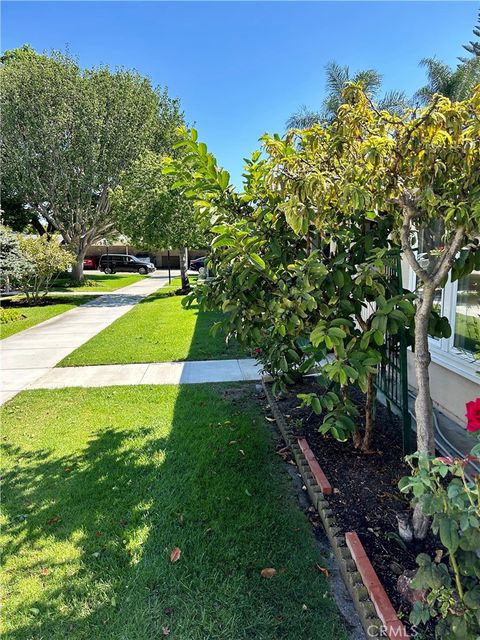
{"x":457,"y":84}
{"x":257,"y":260}
{"x":338,"y":76}
{"x":286,"y":292}
{"x":152,"y":213}
{"x":47,"y":258}
{"x":67,"y":136}
{"x":422,"y":168}
{"x":14,"y":267}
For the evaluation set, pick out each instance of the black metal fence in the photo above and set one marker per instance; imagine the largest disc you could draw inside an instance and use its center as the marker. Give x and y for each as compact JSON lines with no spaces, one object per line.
{"x":392,"y":377}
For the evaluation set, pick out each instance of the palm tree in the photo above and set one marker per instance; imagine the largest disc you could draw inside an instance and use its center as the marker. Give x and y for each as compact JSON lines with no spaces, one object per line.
{"x":337,"y":78}
{"x":456,"y":84}
{"x":304,"y":118}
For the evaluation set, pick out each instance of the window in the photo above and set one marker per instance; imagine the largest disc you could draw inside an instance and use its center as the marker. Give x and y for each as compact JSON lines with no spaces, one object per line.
{"x":460,"y":303}
{"x":467,"y":313}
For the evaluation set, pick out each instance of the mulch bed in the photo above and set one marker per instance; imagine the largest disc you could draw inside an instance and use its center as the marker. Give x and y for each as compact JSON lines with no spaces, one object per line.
{"x":366,"y":498}
{"x":21,"y":303}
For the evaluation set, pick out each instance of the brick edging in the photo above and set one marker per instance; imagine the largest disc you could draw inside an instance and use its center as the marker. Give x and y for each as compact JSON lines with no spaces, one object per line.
{"x":371,"y":620}
{"x":315,"y":468}
{"x":387,"y":614}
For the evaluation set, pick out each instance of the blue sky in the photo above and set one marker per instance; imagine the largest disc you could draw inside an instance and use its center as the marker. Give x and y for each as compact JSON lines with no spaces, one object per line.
{"x":241,"y":68}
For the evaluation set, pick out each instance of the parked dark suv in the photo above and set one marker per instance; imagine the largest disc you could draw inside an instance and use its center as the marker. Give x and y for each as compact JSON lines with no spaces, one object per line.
{"x":114,"y":262}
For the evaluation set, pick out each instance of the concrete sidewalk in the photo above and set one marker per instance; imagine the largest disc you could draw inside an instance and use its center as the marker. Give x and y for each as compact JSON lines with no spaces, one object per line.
{"x":154,"y":373}
{"x":30,"y":354}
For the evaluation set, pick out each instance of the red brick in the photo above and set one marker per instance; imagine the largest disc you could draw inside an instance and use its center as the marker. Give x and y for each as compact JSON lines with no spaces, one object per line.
{"x":315,"y":468}
{"x":385,"y":611}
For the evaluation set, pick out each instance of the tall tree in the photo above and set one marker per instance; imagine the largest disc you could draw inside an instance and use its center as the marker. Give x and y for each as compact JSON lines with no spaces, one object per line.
{"x":338,"y":76}
{"x":473,"y":46}
{"x":67,"y":136}
{"x":152,"y":213}
{"x":423,"y":168}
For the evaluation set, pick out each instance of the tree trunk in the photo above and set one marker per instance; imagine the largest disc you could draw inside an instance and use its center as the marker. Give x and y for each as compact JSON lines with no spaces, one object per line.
{"x":423,"y":402}
{"x":369,"y":413}
{"x":77,"y":269}
{"x":429,"y":281}
{"x":183,"y":267}
{"x":357,"y":438}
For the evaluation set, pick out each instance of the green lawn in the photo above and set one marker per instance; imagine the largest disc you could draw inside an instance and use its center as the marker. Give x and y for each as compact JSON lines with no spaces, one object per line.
{"x":38,"y":313}
{"x":159,"y":329}
{"x":98,"y":282}
{"x":100,"y":485}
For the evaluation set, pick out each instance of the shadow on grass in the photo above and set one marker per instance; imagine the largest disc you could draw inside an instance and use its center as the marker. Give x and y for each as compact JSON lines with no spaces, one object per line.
{"x":209,"y":485}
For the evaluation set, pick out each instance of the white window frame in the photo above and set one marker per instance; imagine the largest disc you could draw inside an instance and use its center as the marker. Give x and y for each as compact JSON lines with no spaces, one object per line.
{"x":443,"y":350}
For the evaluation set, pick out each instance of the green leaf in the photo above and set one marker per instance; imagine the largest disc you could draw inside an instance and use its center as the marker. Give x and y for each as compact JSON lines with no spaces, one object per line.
{"x":336,"y":332}
{"x":223,"y":241}
{"x":316,"y":405}
{"x":224,"y":179}
{"x":318,"y":335}
{"x":449,"y":533}
{"x":472,"y":598}
{"x":256,"y":259}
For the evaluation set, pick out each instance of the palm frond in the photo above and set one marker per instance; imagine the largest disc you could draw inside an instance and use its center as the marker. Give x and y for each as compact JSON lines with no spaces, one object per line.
{"x":370,"y":80}
{"x":394,"y":101}
{"x":337,"y":77}
{"x":330,"y":107}
{"x":304,"y":118}
{"x":422,"y":96}
{"x":439,"y":75}
{"x":465,"y":79}
{"x":455,"y":84}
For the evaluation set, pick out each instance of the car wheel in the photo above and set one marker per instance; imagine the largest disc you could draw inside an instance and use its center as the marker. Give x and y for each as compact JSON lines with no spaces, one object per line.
{"x":143,"y":271}
{"x":108,"y":270}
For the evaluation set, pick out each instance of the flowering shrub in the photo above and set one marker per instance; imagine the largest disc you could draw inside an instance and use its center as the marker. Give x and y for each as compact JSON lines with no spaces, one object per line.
{"x":443,"y":491}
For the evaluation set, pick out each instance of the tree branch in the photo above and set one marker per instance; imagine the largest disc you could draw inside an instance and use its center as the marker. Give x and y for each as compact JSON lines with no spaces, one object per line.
{"x":410,"y":211}
{"x":448,"y":257}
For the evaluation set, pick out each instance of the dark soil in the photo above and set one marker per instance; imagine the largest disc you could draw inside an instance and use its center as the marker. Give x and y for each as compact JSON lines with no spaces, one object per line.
{"x":366,"y":498}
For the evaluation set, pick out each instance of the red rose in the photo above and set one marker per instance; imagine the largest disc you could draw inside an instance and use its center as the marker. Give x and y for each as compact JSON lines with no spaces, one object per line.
{"x":473,"y":415}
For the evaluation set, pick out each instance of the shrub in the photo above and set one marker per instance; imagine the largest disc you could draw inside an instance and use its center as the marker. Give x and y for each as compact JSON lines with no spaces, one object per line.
{"x":46,"y":258}
{"x":13,"y":266}
{"x":10,"y":315}
{"x":444,"y":493}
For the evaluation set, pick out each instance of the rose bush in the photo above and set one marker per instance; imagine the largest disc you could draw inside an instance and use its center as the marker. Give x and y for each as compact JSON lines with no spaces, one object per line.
{"x":445,"y":493}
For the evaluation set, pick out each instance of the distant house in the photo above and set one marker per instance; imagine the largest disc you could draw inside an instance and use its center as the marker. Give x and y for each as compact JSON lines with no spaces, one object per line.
{"x":159,"y":257}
